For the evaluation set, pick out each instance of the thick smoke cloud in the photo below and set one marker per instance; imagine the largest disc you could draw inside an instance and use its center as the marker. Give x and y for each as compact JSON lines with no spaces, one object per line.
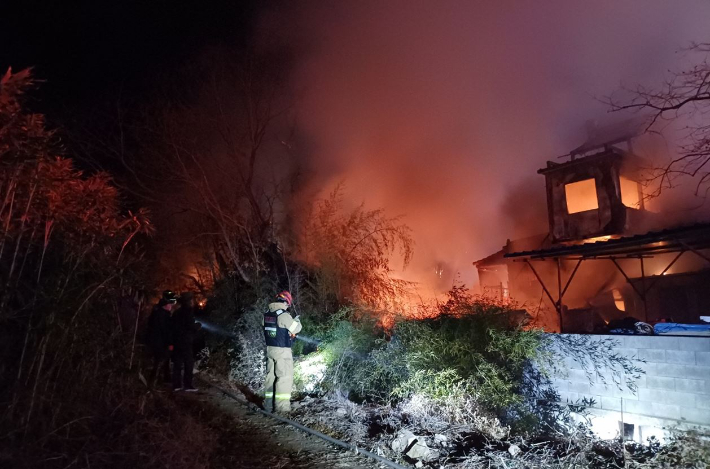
{"x":443,"y":111}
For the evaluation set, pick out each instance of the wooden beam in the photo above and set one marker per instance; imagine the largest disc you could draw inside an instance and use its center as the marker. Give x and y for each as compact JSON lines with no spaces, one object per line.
{"x":655,"y":280}
{"x":569,"y":281}
{"x":627,"y":278}
{"x":643,"y":287}
{"x":541,"y":283}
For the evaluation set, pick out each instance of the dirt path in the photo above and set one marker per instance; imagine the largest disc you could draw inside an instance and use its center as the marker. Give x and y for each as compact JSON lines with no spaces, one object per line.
{"x":248,"y":439}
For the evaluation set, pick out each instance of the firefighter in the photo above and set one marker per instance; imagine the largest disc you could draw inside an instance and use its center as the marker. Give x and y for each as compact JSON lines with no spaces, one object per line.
{"x":160,"y":337}
{"x":184,"y":329}
{"x":280,"y":329}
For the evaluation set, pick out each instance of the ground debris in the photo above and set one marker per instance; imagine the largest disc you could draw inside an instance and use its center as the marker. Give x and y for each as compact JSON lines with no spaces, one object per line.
{"x":251,"y":440}
{"x":514,"y":450}
{"x":410,"y":441}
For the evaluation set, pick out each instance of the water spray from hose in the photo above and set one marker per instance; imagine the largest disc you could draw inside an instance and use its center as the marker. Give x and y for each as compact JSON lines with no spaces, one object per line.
{"x":220,"y":331}
{"x":215,"y":329}
{"x":307,"y":339}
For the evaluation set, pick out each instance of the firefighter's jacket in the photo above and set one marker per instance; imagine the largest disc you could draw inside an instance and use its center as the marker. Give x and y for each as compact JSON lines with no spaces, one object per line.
{"x":279,"y":325}
{"x":278,"y":328}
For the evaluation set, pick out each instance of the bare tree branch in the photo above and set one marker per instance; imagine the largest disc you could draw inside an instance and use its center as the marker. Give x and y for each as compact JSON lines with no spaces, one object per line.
{"x":685,"y":95}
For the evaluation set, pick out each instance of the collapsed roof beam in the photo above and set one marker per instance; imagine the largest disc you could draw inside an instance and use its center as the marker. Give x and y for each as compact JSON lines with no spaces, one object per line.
{"x":642,"y":293}
{"x":569,"y":281}
{"x":542,"y":284}
{"x":560,"y":291}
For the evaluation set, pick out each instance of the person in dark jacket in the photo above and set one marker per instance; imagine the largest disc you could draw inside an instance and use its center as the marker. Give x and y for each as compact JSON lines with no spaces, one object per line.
{"x":159,"y":336}
{"x":184,"y":330}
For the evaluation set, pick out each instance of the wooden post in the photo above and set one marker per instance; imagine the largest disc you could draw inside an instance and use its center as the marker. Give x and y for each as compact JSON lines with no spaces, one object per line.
{"x":559,"y":292}
{"x":643,"y":289}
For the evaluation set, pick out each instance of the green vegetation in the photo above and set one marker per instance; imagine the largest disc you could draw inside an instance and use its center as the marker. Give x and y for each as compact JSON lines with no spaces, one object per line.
{"x":472,"y":352}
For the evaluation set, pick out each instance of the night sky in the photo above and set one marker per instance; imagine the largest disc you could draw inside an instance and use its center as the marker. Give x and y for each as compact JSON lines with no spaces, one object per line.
{"x":91,"y":52}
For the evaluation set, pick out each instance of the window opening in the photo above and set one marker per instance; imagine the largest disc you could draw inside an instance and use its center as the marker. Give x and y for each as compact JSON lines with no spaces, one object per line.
{"x":581,"y":196}
{"x":630,"y":193}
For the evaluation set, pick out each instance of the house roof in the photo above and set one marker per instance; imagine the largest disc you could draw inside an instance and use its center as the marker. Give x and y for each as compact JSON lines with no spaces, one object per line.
{"x":494,"y":259}
{"x":692,"y":237}
{"x":612,"y":134}
{"x":632,"y":161}
{"x":538,"y":241}
{"x":582,"y":161}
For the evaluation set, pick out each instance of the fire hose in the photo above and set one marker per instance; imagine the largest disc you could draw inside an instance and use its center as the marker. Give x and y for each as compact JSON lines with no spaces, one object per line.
{"x":310,"y":431}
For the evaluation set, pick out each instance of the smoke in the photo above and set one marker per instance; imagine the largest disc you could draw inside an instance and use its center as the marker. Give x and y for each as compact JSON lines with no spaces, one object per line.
{"x":443,"y":111}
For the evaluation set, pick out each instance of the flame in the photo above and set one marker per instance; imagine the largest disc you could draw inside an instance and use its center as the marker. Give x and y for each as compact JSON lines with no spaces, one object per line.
{"x":619,"y":300}
{"x":599,"y":239}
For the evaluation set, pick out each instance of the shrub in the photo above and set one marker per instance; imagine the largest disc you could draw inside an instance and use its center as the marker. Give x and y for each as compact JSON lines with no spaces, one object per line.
{"x":480,"y":350}
{"x":247,"y":355}
{"x":356,"y":360}
{"x":689,"y":449}
{"x":471,"y":353}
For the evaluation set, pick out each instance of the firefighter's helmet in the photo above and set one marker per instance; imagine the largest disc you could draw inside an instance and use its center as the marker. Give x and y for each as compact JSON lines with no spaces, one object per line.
{"x":285,"y":296}
{"x":169,"y":297}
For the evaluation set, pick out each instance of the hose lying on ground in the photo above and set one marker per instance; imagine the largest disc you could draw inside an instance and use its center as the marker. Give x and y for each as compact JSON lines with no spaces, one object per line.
{"x":320,"y":435}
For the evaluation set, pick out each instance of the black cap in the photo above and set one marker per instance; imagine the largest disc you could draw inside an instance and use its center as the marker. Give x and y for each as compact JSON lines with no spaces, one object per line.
{"x":169,"y":297}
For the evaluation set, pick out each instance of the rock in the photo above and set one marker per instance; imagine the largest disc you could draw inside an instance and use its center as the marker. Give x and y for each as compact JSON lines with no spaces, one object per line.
{"x":413,"y":446}
{"x":441,"y":440}
{"x":419,"y":450}
{"x":419,"y":464}
{"x":514,"y":450}
{"x":401,"y":441}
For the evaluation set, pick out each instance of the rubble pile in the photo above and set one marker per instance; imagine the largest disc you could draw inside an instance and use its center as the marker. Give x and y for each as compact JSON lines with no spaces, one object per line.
{"x":400,"y":437}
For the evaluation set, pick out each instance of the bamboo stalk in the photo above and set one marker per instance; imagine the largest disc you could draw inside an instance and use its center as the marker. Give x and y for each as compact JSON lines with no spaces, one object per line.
{"x":20,"y":234}
{"x":7,"y":222}
{"x":48,"y":224}
{"x":10,"y":189}
{"x":26,"y":256}
{"x":24,"y":346}
{"x":89,"y":297}
{"x":135,"y":333}
{"x":34,"y":389}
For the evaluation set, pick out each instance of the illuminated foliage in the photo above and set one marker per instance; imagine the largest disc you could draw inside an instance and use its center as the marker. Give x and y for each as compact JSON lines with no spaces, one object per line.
{"x":471,"y":352}
{"x":351,"y":253}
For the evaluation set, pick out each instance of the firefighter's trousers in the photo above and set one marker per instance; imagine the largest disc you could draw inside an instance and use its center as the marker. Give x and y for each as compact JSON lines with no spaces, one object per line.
{"x":279,"y":379}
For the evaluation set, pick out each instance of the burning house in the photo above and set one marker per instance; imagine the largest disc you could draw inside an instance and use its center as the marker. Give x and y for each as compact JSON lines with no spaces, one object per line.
{"x":606,"y":256}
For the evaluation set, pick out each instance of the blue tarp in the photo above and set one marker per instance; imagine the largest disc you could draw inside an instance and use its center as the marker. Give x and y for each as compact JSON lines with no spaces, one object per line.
{"x":672,"y":328}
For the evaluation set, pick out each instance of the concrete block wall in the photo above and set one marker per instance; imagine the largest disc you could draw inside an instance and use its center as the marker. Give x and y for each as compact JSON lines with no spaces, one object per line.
{"x":674,"y":391}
